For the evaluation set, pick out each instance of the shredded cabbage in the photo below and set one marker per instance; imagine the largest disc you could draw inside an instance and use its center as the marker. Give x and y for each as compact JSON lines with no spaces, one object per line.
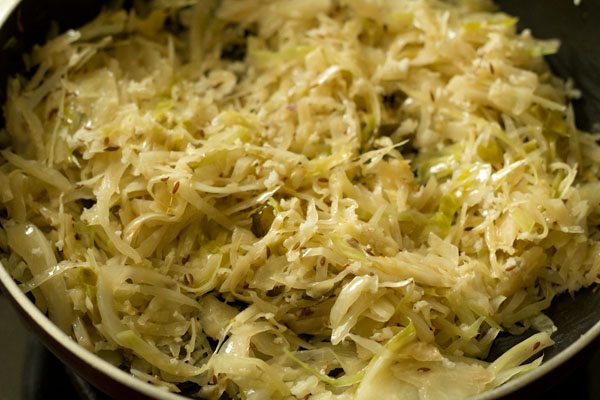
{"x":325,"y":199}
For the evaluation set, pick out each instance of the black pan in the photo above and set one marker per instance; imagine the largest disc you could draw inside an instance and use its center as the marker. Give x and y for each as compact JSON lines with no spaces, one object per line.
{"x":577,"y":319}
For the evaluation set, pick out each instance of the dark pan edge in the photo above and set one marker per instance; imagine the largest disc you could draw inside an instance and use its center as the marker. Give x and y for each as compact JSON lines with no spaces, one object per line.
{"x":110,"y":379}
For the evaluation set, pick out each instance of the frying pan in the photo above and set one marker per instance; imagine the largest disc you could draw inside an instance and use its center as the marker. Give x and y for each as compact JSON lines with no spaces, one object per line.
{"x":577,"y":318}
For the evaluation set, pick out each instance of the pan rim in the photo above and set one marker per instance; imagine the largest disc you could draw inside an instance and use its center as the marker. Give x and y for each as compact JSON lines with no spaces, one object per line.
{"x":6,"y":8}
{"x":12,"y":290}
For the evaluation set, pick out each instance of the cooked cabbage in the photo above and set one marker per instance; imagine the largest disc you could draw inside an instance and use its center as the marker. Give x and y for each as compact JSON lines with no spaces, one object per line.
{"x":325,"y":199}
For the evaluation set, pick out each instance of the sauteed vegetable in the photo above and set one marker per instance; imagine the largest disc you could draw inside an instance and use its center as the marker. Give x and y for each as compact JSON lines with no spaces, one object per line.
{"x":324,"y":199}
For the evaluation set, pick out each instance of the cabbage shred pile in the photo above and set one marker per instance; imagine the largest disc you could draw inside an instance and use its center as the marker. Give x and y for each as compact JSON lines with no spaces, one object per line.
{"x":324,"y":199}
